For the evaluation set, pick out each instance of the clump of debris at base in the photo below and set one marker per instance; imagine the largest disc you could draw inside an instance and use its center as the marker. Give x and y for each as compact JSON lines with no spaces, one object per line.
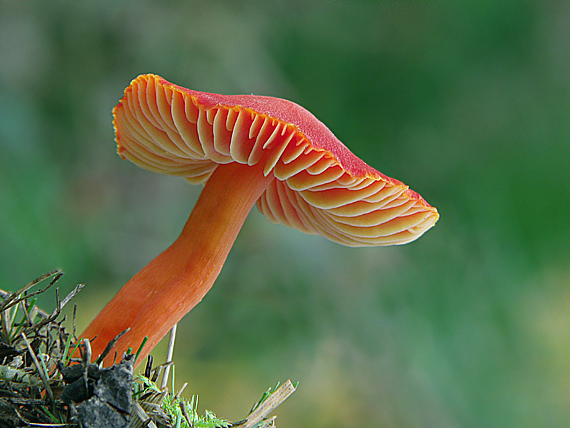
{"x":42,"y":385}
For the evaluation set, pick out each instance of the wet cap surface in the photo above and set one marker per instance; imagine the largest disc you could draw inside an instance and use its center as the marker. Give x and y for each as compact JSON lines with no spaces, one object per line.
{"x":320,"y":186}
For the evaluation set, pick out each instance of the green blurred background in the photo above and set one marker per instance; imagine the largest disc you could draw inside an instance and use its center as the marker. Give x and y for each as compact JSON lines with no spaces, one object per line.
{"x":467,"y":102}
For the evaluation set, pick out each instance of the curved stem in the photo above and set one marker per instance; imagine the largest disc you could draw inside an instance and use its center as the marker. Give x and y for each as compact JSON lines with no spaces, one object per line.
{"x":167,"y":288}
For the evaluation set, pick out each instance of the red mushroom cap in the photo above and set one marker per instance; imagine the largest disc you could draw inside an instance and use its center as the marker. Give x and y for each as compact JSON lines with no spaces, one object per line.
{"x":321,"y":187}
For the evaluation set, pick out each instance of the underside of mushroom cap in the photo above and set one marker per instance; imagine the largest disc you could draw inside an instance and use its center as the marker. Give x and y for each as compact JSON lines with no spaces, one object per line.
{"x":320,"y":186}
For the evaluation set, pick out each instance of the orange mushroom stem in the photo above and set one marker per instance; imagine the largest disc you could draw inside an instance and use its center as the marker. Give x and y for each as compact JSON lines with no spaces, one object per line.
{"x":157,"y":297}
{"x":247,"y":150}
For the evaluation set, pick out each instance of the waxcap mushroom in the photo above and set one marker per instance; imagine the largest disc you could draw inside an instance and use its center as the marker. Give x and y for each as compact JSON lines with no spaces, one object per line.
{"x":320,"y":186}
{"x":246,"y":150}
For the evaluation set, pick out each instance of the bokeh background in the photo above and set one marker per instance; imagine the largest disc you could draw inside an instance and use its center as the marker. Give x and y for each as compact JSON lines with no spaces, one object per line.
{"x":467,"y":102}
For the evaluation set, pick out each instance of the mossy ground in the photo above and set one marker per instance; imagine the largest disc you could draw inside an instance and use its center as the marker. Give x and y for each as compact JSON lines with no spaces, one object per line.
{"x":41,"y":385}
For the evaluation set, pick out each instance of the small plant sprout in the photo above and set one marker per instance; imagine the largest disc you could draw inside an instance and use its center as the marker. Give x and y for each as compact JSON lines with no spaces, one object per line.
{"x":160,"y":406}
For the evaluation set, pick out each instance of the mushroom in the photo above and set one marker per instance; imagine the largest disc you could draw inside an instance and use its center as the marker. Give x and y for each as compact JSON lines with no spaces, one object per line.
{"x":247,"y":150}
